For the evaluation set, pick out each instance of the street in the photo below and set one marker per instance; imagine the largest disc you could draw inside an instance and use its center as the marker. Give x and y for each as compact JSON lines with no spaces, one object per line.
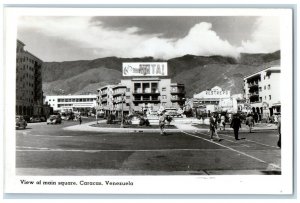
{"x":43,"y":149}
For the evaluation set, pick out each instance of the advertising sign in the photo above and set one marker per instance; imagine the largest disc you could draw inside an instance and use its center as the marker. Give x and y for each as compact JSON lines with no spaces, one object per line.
{"x":145,"y":69}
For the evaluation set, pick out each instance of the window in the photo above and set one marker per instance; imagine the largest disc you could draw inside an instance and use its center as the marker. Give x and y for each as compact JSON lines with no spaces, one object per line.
{"x":264,"y":87}
{"x":260,"y":99}
{"x":127,"y":97}
{"x":270,"y":97}
{"x":164,"y":96}
{"x":127,"y":89}
{"x":164,"y":89}
{"x":269,"y":87}
{"x":164,"y":103}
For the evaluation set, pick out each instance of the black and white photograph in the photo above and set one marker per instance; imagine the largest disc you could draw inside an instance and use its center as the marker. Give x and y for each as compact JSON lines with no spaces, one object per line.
{"x":145,"y":100}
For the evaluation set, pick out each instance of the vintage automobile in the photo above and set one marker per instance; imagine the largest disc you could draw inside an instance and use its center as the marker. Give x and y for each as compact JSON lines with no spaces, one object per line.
{"x":54,"y":119}
{"x":35,"y":119}
{"x":20,"y":122}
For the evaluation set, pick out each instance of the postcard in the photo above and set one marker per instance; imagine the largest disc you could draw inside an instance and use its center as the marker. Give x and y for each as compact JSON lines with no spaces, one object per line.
{"x":148,"y":101}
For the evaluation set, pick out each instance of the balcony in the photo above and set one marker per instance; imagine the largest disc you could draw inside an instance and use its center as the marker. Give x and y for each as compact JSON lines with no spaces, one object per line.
{"x":178,"y":92}
{"x":254,"y":94}
{"x":177,"y":100}
{"x":156,"y":100}
{"x":145,"y":92}
{"x":118,"y":93}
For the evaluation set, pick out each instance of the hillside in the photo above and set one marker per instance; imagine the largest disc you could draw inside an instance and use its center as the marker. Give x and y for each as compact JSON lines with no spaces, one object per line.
{"x":196,"y":72}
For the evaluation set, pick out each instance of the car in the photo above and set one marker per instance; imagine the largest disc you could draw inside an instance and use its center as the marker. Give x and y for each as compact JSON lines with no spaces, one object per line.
{"x":20,"y":122}
{"x":43,"y":119}
{"x":34,"y":119}
{"x":54,"y":119}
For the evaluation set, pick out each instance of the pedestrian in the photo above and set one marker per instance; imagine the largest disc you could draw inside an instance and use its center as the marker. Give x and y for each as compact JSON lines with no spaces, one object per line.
{"x":250,"y":122}
{"x":223,"y":122}
{"x":213,"y":127}
{"x":279,"y":130}
{"x":236,"y":125}
{"x":255,"y":117}
{"x":80,"y":120}
{"x":162,"y":120}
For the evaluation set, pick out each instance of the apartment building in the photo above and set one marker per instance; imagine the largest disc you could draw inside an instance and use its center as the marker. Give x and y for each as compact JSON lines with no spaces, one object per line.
{"x":29,"y":94}
{"x":262,"y":91}
{"x":144,"y":87}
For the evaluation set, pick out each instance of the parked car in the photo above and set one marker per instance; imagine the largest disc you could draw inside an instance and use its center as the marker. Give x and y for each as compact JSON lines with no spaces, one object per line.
{"x":54,"y":119}
{"x":43,"y":119}
{"x":20,"y":122}
{"x":34,"y":119}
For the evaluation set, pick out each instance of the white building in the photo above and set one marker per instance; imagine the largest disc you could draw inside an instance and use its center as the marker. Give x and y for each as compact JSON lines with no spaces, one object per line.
{"x":75,"y":103}
{"x":262,"y":91}
{"x":215,"y":99}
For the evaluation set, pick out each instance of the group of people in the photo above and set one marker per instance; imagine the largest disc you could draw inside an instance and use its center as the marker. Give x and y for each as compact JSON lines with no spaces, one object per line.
{"x":219,"y":123}
{"x":236,"y":125}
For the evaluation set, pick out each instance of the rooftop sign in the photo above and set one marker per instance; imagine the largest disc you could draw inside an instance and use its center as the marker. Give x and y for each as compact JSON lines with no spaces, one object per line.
{"x":145,"y":69}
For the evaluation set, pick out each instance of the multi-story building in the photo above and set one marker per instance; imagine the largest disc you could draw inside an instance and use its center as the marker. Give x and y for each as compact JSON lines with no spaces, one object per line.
{"x":74,"y":103}
{"x":29,"y":94}
{"x":262,"y":91}
{"x":143,"y":91}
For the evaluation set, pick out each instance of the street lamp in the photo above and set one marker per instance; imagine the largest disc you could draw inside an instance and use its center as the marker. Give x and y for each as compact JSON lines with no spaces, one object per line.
{"x":122,"y":97}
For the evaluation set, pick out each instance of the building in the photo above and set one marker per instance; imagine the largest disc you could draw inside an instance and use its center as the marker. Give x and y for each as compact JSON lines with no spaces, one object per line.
{"x":262,"y":92}
{"x":213,"y":100}
{"x":144,"y":87}
{"x":74,"y":103}
{"x":29,"y":94}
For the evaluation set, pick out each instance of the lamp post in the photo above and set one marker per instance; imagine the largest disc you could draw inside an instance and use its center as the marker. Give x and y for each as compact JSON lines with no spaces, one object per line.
{"x":122,"y":97}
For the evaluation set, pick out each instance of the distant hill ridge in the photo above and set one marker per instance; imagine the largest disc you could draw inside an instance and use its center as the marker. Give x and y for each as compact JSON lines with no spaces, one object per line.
{"x":198,"y":73}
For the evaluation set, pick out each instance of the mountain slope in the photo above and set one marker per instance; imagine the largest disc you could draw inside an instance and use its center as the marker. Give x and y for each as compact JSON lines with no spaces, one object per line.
{"x":196,"y":72}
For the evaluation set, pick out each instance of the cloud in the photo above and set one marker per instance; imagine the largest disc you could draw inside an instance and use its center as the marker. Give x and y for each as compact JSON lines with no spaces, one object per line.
{"x":86,"y":35}
{"x":265,"y":37}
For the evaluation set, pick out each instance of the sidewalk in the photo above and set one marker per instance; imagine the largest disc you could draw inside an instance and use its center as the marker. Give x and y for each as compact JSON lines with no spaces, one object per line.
{"x":88,"y":128}
{"x":180,"y":127}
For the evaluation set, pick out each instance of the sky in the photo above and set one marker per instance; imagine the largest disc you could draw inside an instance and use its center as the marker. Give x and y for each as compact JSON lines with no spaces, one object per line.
{"x":68,"y":38}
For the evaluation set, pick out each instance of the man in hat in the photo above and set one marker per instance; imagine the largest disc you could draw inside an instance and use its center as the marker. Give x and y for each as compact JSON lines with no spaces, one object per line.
{"x":236,"y":125}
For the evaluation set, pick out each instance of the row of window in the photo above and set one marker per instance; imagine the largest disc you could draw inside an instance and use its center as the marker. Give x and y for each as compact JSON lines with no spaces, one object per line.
{"x":23,"y":59}
{"x":74,"y":100}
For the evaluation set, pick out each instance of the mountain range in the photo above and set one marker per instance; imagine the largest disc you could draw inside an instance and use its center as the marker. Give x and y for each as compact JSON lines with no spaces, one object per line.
{"x":198,"y":73}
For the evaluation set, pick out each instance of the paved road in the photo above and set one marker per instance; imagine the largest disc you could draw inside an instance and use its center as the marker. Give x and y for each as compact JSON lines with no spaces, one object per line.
{"x":49,"y":150}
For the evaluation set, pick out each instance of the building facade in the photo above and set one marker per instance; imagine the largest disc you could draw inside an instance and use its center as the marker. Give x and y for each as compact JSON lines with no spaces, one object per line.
{"x":212,"y":100}
{"x":29,"y":94}
{"x":262,"y":92}
{"x":143,"y":91}
{"x":72,"y":103}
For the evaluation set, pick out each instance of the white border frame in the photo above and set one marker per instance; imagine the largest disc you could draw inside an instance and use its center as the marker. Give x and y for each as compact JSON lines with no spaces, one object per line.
{"x":282,"y":184}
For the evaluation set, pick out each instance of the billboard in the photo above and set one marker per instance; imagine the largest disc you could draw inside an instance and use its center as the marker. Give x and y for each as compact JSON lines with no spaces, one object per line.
{"x":145,"y":69}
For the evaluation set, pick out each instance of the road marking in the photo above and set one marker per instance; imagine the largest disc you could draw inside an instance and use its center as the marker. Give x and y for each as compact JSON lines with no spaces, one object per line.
{"x":224,"y":138}
{"x":254,"y":142}
{"x":240,"y":152}
{"x":36,"y":149}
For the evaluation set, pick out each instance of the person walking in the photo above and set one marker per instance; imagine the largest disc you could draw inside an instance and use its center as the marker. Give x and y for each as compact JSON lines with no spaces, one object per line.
{"x":162,"y":120}
{"x":236,"y":125}
{"x":223,"y":122}
{"x":250,"y":122}
{"x":213,"y":127}
{"x":279,"y":130}
{"x":80,"y":120}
